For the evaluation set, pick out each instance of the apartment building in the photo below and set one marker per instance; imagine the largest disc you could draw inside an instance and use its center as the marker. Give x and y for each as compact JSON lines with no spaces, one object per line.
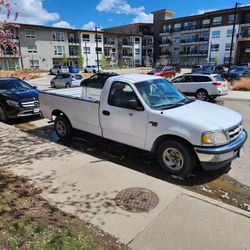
{"x":201,"y":38}
{"x":134,"y":44}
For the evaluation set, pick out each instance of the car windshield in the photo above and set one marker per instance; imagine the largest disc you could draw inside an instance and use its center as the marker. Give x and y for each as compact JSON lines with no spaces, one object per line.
{"x":78,"y":77}
{"x":160,"y":94}
{"x":13,"y":85}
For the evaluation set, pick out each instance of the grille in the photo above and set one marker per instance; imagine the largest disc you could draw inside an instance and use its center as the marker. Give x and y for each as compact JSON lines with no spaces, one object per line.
{"x":31,"y":104}
{"x":234,"y":132}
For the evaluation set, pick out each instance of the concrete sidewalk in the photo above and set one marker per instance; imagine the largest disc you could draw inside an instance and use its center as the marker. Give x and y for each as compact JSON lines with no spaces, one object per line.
{"x":237,"y":96}
{"x":86,"y":186}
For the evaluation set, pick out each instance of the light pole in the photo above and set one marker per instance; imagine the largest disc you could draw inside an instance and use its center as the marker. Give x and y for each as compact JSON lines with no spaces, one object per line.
{"x":97,"y":49}
{"x":232,"y":39}
{"x":210,"y":52}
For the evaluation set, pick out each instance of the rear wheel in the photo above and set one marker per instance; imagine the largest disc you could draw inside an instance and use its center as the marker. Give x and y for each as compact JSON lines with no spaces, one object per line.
{"x":176,"y":157}
{"x":201,"y":95}
{"x":85,"y":71}
{"x":63,"y":128}
{"x":52,"y":84}
{"x":3,"y":116}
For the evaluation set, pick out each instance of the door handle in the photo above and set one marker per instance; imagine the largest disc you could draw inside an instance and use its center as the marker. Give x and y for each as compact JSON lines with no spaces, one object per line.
{"x":106,"y":112}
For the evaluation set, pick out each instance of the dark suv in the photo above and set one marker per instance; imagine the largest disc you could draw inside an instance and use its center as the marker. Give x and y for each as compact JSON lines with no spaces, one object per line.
{"x":17,"y":99}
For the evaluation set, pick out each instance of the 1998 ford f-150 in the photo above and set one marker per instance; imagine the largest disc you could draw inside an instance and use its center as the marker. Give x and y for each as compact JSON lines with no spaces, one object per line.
{"x":147,"y":112}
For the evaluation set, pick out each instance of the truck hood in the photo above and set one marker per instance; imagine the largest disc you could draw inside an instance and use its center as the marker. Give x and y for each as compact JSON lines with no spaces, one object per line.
{"x":26,"y":95}
{"x":206,"y":115}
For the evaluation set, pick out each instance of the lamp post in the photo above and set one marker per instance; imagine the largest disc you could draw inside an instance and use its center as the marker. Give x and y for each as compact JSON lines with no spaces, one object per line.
{"x":97,"y":49}
{"x":232,"y":39}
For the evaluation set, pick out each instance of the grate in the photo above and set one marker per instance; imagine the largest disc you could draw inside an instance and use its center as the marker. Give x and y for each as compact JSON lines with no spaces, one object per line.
{"x":136,"y":200}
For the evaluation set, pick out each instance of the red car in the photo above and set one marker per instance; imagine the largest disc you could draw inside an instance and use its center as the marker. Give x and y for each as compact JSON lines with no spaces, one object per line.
{"x":166,"y":72}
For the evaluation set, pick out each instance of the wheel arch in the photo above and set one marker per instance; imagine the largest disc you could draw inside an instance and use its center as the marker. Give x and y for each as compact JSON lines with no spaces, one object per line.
{"x":58,"y":112}
{"x":166,"y":137}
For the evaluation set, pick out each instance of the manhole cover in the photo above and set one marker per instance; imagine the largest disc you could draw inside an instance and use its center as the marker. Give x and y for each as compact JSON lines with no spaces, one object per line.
{"x":136,"y":200}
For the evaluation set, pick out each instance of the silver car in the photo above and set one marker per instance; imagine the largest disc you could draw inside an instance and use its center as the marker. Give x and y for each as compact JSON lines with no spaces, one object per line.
{"x":58,"y":69}
{"x":66,"y":80}
{"x":92,"y":69}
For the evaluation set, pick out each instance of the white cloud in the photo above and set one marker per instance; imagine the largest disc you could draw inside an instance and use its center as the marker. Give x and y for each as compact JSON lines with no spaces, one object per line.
{"x":143,"y":18}
{"x":62,"y":24}
{"x":118,"y":7}
{"x":31,"y":12}
{"x":202,"y":11}
{"x":90,"y":26}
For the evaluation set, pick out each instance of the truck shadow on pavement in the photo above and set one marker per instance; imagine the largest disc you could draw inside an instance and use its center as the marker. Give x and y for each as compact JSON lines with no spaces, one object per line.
{"x":127,"y":156}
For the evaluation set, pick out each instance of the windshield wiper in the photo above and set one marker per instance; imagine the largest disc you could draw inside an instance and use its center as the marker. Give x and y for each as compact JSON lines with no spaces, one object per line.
{"x":168,"y":106}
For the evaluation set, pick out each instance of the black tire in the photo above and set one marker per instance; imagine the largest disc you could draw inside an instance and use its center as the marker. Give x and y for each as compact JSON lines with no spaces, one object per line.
{"x":3,"y":115}
{"x":85,"y":71}
{"x":182,"y":158}
{"x":52,"y":84}
{"x":212,"y":98}
{"x":201,"y":95}
{"x":68,"y":85}
{"x":94,"y":71}
{"x":63,"y":128}
{"x":51,"y":72}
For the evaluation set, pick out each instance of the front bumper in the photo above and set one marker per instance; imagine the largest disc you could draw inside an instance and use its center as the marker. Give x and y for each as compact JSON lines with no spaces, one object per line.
{"x":212,"y":158}
{"x":15,"y":113}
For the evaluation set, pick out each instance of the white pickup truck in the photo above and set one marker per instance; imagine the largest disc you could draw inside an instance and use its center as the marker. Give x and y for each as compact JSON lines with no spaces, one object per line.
{"x":147,"y":112}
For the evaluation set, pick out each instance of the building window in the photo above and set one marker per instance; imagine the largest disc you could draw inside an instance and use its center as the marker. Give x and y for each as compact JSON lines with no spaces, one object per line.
{"x":189,"y":25}
{"x":216,"y":34}
{"x":98,"y":38}
{"x":32,"y":48}
{"x":86,"y":50}
{"x":204,"y":36}
{"x":203,"y":49}
{"x":137,"y":62}
{"x":137,"y":52}
{"x":215,"y":47}
{"x":85,"y":37}
{"x":177,"y":26}
{"x":34,"y":64}
{"x":98,"y":50}
{"x":176,"y":39}
{"x":228,"y":46}
{"x":58,"y":36}
{"x":230,"y":32}
{"x":30,"y":34}
{"x":166,"y":28}
{"x":206,"y":22}
{"x":137,"y":40}
{"x":59,"y":50}
{"x":217,"y":20}
{"x":230,"y":19}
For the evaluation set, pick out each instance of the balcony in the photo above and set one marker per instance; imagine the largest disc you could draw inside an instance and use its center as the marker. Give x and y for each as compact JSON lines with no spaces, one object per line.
{"x":165,"y":43}
{"x":193,"y":41}
{"x":147,"y":45}
{"x":165,"y":31}
{"x":126,"y":44}
{"x":244,"y":37}
{"x":193,"y":53}
{"x":128,"y":55}
{"x":9,"y":54}
{"x":73,"y":54}
{"x":165,"y":54}
{"x":109,"y":43}
{"x":73,"y":41}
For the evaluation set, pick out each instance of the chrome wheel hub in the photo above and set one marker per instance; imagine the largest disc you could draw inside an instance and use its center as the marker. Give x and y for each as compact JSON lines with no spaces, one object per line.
{"x":61,"y":128}
{"x":173,"y":159}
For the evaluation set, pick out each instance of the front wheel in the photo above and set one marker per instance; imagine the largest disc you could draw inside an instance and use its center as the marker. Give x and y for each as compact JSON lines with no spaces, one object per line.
{"x":176,"y":158}
{"x":52,"y":84}
{"x":63,"y":128}
{"x":201,"y":95}
{"x":68,"y":85}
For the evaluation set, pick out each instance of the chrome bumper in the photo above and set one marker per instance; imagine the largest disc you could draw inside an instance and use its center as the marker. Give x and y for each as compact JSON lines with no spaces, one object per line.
{"x":218,"y":157}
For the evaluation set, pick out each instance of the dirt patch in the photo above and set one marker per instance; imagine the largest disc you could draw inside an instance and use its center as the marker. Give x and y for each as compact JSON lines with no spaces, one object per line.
{"x":27,"y":221}
{"x":25,"y":75}
{"x":243,"y":85}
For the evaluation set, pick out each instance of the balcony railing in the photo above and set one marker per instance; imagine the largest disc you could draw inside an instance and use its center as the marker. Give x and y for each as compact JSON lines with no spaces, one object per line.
{"x":126,"y":44}
{"x":165,"y":53}
{"x":73,"y":40}
{"x":107,"y":43}
{"x":8,"y":54}
{"x":197,"y":40}
{"x":127,"y":55}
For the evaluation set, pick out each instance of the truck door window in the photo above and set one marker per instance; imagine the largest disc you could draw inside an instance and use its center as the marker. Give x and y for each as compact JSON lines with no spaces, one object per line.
{"x":120,"y":95}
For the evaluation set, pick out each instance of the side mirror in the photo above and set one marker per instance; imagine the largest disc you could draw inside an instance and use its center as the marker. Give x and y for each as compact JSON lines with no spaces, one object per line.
{"x":34,"y":87}
{"x":132,"y":104}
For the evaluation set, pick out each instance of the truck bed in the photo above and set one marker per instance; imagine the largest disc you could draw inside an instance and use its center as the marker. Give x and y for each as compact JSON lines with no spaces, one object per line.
{"x":82,"y":93}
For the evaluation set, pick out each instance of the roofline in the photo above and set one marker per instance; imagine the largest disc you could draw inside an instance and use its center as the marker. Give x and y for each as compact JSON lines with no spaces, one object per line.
{"x":163,"y":10}
{"x":127,"y":25}
{"x":207,"y":14}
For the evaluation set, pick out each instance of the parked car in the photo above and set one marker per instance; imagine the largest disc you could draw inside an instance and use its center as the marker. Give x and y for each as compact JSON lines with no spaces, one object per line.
{"x":17,"y":99}
{"x":202,"y":86}
{"x":58,"y":69}
{"x":166,"y":72}
{"x":92,"y":69}
{"x":236,"y":72}
{"x":66,"y":80}
{"x":209,"y":69}
{"x":98,"y":80}
{"x":148,"y":113}
{"x":73,"y":69}
{"x":196,"y":68}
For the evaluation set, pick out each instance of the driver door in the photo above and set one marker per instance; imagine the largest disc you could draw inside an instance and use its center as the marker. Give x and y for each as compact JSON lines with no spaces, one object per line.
{"x":119,"y":121}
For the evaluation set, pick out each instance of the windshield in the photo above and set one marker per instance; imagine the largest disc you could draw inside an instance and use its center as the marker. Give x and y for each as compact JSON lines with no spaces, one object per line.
{"x":160,"y":94}
{"x":13,"y":85}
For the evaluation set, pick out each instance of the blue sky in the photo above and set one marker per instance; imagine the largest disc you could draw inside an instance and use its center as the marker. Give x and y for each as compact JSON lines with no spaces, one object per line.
{"x":106,"y":13}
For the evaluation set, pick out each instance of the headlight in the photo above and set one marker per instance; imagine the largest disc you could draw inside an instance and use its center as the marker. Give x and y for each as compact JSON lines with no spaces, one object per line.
{"x":214,"y":138}
{"x":13,"y":103}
